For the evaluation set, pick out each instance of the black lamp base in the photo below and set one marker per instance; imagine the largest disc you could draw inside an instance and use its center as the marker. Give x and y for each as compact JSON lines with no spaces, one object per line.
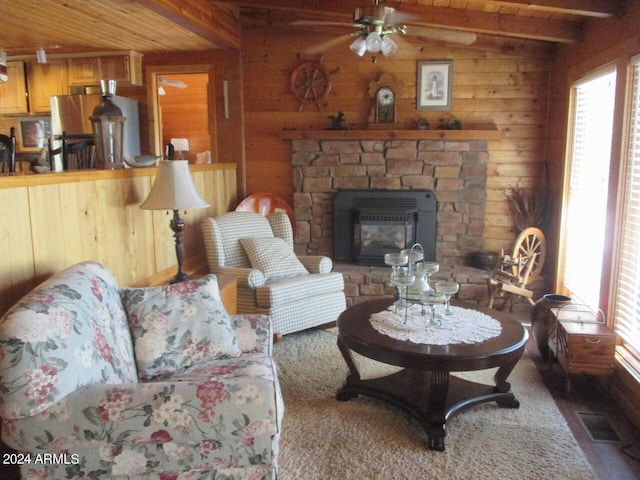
{"x":177,"y":225}
{"x":180,"y":277}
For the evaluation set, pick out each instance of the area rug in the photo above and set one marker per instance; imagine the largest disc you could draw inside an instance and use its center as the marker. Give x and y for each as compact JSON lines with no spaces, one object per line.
{"x":366,"y":439}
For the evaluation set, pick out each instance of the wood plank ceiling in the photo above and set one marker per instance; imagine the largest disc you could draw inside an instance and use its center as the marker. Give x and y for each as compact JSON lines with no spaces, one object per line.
{"x":172,"y":25}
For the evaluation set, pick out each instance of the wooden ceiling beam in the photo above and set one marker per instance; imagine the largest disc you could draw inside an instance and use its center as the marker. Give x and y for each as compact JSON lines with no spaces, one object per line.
{"x":589,"y":8}
{"x":216,"y":22}
{"x":440,"y":17}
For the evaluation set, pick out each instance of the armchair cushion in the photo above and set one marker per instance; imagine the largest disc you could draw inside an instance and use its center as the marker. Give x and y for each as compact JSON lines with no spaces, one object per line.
{"x":176,"y":326}
{"x":273,"y":257}
{"x":284,"y":291}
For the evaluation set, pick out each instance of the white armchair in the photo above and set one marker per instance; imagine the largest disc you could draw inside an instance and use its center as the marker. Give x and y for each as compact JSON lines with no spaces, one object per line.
{"x":296,"y":292}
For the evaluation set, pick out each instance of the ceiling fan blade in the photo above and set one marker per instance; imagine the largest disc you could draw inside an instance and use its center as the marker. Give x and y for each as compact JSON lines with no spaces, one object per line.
{"x":324,"y":46}
{"x":442,"y":34}
{"x":405,"y":48}
{"x":402,"y":17}
{"x":171,"y":83}
{"x":319,"y":23}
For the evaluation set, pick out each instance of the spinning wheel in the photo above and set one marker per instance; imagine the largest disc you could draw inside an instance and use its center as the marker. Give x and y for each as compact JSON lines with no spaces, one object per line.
{"x":530,"y":242}
{"x":310,"y":82}
{"x":519,"y":269}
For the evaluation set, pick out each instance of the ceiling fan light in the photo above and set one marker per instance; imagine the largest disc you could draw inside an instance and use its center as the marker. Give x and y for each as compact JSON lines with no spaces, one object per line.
{"x":374,"y":42}
{"x":389,"y":47}
{"x":359,"y":46}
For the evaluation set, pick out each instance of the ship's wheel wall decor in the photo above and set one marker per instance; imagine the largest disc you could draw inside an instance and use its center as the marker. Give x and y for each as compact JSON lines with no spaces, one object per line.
{"x":310,"y":83}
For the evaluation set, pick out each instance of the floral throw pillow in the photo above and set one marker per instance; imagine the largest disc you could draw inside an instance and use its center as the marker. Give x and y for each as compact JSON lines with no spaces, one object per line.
{"x":273,"y":257}
{"x":179,"y":325}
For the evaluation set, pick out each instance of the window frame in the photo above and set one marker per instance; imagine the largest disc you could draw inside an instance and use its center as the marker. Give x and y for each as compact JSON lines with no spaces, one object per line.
{"x":627,"y":356}
{"x":611,"y":188}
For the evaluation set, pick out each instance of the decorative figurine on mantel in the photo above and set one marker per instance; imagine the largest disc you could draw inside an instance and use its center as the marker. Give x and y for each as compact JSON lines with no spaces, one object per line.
{"x":423,"y":124}
{"x":337,"y":122}
{"x":454,"y":124}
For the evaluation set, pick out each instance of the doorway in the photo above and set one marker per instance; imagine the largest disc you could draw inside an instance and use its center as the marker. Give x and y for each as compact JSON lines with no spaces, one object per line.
{"x":179,"y":109}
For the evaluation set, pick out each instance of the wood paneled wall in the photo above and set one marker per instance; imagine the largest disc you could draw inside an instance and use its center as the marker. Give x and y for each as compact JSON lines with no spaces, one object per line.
{"x":185,"y":113}
{"x":227,"y":134}
{"x":490,"y":90}
{"x":612,"y":41}
{"x":53,"y":221}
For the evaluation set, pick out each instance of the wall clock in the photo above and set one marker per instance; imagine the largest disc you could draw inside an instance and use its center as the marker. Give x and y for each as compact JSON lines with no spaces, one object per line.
{"x":385,"y":105}
{"x":385,"y":93}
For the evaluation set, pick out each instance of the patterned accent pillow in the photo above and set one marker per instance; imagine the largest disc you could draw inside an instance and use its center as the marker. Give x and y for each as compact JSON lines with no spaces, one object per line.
{"x":273,"y":257}
{"x":179,"y":325}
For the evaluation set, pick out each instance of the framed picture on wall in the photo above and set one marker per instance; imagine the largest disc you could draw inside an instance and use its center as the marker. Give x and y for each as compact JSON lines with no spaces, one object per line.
{"x":435,"y":84}
{"x":33,"y":133}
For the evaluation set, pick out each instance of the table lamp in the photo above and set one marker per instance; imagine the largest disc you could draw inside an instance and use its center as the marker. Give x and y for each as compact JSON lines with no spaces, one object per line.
{"x":174,"y":190}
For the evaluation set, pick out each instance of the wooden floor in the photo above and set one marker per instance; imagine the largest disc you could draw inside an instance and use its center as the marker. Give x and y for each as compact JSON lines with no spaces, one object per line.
{"x":610,"y":461}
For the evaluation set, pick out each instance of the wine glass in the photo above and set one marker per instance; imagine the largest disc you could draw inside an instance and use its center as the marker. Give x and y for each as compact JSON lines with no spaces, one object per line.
{"x":423,"y":271}
{"x":429,"y":268}
{"x":433,"y":298}
{"x":447,"y":288}
{"x":396,"y":260}
{"x":401,"y":278}
{"x":413,"y":255}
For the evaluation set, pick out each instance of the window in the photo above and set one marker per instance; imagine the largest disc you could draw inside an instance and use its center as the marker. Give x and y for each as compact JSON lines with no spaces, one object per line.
{"x":626,"y":312}
{"x":586,"y":190}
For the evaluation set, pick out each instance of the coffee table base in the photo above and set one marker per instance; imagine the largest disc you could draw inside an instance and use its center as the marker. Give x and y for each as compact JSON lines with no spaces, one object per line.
{"x":430,"y":397}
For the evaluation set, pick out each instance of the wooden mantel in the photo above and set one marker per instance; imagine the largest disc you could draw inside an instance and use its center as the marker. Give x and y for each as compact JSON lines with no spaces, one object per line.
{"x":380,"y":134}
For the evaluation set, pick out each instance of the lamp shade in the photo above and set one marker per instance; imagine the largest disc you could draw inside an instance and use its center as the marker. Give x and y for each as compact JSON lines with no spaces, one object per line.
{"x":389,"y":47}
{"x":374,"y":42}
{"x":180,"y":144}
{"x":359,"y":46}
{"x":173,"y":188}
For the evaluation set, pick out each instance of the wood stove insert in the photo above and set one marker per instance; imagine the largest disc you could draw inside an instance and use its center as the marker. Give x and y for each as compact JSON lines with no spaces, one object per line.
{"x":370,"y":223}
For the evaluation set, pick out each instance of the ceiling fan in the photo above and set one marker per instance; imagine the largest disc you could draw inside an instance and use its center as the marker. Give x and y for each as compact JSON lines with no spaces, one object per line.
{"x":170,"y":83}
{"x":375,"y":24}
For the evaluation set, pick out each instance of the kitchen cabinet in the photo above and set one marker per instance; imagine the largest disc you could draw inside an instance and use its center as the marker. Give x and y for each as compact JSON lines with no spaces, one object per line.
{"x":126,"y":68}
{"x":44,"y":81}
{"x":83,"y":71}
{"x":13,"y":93}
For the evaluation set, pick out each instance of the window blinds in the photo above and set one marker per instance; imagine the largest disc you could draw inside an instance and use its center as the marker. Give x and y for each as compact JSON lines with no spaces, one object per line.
{"x":588,"y":185}
{"x":627,"y":296}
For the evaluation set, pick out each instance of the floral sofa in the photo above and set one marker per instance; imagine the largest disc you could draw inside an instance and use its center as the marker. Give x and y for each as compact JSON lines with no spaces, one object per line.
{"x":99,"y":381}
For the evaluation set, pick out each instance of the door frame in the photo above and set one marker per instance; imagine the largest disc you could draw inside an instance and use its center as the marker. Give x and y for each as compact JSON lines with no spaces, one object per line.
{"x":153,"y":104}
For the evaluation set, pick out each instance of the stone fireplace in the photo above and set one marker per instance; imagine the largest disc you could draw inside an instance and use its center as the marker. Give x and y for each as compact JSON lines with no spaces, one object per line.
{"x":455,"y":170}
{"x":452,"y":165}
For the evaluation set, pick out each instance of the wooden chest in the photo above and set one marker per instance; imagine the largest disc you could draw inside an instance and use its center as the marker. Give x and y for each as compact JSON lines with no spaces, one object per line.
{"x":582,"y":347}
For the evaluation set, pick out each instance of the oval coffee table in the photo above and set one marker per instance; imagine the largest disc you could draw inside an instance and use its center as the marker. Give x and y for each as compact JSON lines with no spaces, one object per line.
{"x":424,"y":388}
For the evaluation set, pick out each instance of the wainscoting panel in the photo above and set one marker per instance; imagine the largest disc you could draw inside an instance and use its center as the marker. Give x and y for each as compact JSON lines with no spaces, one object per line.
{"x":52,"y":221}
